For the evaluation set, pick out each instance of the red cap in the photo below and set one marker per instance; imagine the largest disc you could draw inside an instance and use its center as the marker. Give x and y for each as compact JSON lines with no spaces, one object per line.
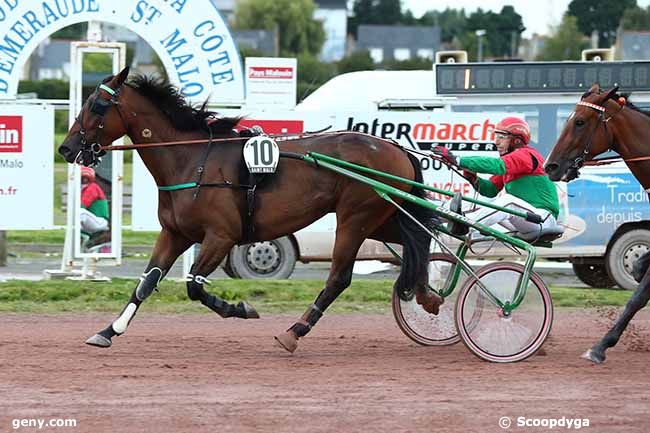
{"x":514,"y":126}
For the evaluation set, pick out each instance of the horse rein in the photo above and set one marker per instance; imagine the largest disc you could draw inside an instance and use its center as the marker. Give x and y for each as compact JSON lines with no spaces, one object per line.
{"x":279,"y":137}
{"x":101,"y":105}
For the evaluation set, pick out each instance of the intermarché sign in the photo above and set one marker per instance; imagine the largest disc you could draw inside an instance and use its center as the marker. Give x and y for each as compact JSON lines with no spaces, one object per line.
{"x":189,"y":36}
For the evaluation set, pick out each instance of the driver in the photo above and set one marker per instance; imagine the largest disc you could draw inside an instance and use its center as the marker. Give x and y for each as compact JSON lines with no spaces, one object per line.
{"x":520,"y":170}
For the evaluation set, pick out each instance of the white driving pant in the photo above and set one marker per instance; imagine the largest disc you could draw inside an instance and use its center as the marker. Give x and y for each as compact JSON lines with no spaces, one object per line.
{"x":490,"y":217}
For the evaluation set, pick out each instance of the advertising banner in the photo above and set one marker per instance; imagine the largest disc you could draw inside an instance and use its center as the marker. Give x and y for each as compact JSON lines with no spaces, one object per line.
{"x":26,"y":158}
{"x":271,"y":82}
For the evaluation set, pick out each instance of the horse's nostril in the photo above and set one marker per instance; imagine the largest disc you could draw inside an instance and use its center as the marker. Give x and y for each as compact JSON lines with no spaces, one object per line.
{"x":65,"y":152}
{"x":551,"y":167}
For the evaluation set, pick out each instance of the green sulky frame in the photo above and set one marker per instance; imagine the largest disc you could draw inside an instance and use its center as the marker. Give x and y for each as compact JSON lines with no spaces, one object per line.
{"x":387,"y":192}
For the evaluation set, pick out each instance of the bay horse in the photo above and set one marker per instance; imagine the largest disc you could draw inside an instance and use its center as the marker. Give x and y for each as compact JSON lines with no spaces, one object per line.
{"x":201,"y":201}
{"x":604,"y":120}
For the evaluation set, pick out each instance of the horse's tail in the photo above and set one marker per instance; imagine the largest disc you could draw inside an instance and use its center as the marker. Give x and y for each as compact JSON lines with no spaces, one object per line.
{"x":415,"y":241}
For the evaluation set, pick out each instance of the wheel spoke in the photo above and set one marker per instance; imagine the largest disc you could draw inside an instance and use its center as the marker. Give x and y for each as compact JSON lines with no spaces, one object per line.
{"x":425,"y":328}
{"x":494,"y":335}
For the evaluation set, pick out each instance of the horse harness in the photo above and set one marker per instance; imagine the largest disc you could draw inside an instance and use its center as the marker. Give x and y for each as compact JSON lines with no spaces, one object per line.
{"x":99,"y":106}
{"x":92,"y":153}
{"x":249,"y":182}
{"x":579,"y":160}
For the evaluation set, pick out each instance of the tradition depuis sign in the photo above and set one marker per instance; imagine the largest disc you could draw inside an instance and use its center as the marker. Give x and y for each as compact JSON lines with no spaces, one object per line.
{"x":26,"y":155}
{"x":189,"y":36}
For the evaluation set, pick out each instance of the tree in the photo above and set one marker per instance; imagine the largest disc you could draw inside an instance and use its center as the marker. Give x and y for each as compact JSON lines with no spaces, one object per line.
{"x":98,"y":62}
{"x":413,"y":64}
{"x":312,"y":73}
{"x":389,"y":12}
{"x":565,"y":43}
{"x":452,"y":23}
{"x":247,"y":51}
{"x":408,"y":19}
{"x":603,"y":16}
{"x":502,"y":31}
{"x":74,"y":31}
{"x":510,"y":26}
{"x":386,"y":12}
{"x":636,"y":18}
{"x":299,"y":32}
{"x":357,"y":61}
{"x":3,"y":248}
{"x":46,"y":89}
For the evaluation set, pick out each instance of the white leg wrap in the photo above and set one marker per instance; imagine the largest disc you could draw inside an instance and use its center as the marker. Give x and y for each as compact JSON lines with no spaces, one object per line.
{"x":122,"y":322}
{"x":202,"y":280}
{"x":197,"y":278}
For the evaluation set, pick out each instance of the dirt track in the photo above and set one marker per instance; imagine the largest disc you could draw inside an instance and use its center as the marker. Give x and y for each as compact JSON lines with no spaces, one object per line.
{"x":354,"y":373}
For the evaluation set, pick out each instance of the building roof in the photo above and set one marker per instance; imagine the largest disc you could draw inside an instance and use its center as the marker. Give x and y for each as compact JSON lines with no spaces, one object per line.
{"x":331,"y":4}
{"x":52,"y":54}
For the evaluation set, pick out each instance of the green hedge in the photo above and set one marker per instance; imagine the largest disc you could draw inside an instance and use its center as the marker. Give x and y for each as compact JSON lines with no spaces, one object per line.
{"x":46,"y":89}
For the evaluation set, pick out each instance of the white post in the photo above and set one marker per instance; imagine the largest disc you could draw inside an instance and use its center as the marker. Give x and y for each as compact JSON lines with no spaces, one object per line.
{"x":72,"y":235}
{"x":479,"y":34}
{"x":188,"y":260}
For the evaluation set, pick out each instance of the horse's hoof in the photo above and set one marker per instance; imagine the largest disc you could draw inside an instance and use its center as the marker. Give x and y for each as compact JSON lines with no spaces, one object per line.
{"x":99,"y":341}
{"x":593,"y":356}
{"x":288,"y":341}
{"x":247,"y":310}
{"x":430,"y":301}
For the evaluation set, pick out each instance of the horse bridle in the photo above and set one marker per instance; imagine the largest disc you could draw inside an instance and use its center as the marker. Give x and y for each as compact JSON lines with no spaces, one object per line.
{"x":579,"y":161}
{"x":92,"y":152}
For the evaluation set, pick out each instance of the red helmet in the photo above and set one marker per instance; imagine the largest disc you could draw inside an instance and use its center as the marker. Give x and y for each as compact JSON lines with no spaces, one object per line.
{"x":514,"y":126}
{"x":88,"y":173}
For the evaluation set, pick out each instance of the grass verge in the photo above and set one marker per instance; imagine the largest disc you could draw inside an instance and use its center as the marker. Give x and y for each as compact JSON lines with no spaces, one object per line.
{"x":57,"y":237}
{"x":278,"y":296}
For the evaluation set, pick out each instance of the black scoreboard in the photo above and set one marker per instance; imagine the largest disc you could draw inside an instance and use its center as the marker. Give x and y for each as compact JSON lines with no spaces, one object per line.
{"x":539,"y":77}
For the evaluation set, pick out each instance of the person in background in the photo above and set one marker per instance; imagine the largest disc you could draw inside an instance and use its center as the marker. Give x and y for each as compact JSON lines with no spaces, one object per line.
{"x":94,"y":205}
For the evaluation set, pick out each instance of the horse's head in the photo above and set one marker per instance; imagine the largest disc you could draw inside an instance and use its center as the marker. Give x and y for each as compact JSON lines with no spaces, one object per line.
{"x":584,"y":136}
{"x":99,"y":123}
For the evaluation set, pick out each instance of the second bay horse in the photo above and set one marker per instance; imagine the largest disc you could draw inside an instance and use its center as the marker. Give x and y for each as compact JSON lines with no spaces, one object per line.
{"x":602,"y":121}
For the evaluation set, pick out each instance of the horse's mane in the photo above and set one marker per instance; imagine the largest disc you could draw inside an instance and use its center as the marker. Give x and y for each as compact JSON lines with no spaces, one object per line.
{"x":628,"y":104}
{"x":182,"y":115}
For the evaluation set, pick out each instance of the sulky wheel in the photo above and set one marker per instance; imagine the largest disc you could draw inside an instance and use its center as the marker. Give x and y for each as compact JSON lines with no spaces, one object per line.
{"x":487,"y":331}
{"x":425,"y":328}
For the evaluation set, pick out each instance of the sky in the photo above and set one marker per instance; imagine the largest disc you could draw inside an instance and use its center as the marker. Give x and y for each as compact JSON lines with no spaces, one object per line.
{"x":538,"y":15}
